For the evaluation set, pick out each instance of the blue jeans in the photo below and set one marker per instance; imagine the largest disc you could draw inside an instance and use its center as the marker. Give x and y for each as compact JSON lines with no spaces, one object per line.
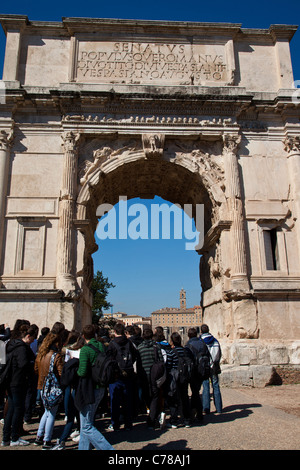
{"x":89,"y":434}
{"x":70,"y":412}
{"x":216,"y":394}
{"x":46,"y":425}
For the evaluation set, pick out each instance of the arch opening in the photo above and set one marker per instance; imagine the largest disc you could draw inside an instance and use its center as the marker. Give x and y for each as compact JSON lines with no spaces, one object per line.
{"x":172,"y":181}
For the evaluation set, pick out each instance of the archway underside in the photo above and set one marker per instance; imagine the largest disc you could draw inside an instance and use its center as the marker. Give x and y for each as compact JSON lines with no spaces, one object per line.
{"x":147,"y":179}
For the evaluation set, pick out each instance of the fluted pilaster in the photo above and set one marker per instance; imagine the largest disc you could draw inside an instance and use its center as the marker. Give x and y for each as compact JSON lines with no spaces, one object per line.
{"x":292,"y":147}
{"x":6,"y":138}
{"x":65,"y":279}
{"x":239,"y":276}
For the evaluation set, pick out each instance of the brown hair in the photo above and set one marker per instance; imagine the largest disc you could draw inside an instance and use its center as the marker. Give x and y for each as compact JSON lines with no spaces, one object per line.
{"x":89,"y":332}
{"x":54,"y":337}
{"x":31,"y":330}
{"x":176,"y":338}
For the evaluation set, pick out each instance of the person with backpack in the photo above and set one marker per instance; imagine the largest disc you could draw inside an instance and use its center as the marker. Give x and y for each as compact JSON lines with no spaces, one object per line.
{"x":215,"y":357}
{"x":18,"y":370}
{"x":5,"y":334}
{"x":201,"y":371}
{"x":68,"y":381}
{"x":90,"y":392}
{"x":49,"y":364}
{"x":180,"y":365}
{"x":121,"y":389}
{"x":150,"y":357}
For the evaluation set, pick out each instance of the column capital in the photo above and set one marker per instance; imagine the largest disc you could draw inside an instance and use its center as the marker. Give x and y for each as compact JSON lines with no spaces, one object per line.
{"x":70,"y":140}
{"x":292,"y":144}
{"x":6,"y":139}
{"x":231,"y":143}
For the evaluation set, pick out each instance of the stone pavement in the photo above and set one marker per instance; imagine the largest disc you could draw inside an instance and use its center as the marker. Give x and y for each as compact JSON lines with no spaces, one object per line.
{"x":253,"y":419}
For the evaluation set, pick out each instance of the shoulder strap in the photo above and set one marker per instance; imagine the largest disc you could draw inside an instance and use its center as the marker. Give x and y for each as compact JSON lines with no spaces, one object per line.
{"x":51,"y":367}
{"x":156,"y":358}
{"x":93,"y":347}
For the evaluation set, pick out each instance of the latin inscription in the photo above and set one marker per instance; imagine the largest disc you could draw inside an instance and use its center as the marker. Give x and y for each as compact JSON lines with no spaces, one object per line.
{"x":130,"y":62}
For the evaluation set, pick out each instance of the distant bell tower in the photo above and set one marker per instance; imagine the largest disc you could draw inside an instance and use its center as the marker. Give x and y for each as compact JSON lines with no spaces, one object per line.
{"x":182,"y":299}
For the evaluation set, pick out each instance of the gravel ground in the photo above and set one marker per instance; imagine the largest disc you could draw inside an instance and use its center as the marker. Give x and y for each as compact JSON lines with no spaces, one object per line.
{"x":252,"y":419}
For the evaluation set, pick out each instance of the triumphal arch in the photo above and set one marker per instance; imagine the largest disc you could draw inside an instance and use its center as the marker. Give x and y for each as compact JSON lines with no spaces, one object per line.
{"x":197,"y":113}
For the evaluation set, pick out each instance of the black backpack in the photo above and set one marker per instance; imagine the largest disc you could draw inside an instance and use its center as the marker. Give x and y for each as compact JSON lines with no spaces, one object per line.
{"x":202,"y":361}
{"x":124,"y":358}
{"x":104,"y":369}
{"x":158,"y":374}
{"x":185,"y":367}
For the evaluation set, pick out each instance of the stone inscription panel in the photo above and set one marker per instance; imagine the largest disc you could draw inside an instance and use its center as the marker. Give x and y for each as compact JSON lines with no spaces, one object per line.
{"x":150,"y":63}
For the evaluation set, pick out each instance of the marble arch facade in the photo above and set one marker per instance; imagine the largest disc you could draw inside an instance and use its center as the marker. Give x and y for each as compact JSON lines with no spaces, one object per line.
{"x":193,"y":112}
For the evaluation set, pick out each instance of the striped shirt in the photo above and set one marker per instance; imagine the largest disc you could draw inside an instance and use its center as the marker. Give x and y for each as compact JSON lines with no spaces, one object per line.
{"x":147,"y":354}
{"x":172,"y":358}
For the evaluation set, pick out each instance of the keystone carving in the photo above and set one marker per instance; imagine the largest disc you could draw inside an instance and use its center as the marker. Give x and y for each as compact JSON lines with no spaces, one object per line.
{"x":153,"y":145}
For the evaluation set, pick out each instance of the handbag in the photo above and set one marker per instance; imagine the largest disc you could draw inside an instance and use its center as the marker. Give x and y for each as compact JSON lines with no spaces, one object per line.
{"x":52,"y":393}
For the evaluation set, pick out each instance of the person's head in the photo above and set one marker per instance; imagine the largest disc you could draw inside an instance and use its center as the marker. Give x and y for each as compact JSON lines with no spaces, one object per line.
{"x":88,"y":332}
{"x":159,"y":334}
{"x":15,"y":334}
{"x":176,"y":339}
{"x":137,"y":330}
{"x":148,"y":333}
{"x":79,"y":343}
{"x":45,"y":330}
{"x":129,"y":330}
{"x":28,"y":333}
{"x":119,"y":329}
{"x":204,"y":329}
{"x":55,"y":337}
{"x":73,"y":336}
{"x":192,"y":333}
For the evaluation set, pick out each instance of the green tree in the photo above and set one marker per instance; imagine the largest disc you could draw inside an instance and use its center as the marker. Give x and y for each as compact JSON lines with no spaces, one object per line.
{"x":99,"y":288}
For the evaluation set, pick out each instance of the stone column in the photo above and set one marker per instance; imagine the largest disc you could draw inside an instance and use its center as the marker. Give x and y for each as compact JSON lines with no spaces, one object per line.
{"x":5,"y":143}
{"x":65,"y":278}
{"x":292,"y":147}
{"x":239,"y":277}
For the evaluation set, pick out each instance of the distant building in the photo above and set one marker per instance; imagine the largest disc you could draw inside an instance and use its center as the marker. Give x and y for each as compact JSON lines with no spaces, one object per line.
{"x":128,"y":320}
{"x":177,"y":319}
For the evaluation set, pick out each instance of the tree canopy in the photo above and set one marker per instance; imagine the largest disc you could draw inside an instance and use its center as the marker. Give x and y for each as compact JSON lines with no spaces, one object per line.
{"x":100,"y":289}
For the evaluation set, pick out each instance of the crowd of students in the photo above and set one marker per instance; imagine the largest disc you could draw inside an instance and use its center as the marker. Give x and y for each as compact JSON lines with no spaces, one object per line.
{"x":132,"y":392}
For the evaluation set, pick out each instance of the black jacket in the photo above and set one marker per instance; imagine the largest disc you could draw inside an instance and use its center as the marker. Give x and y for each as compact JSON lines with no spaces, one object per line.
{"x":22,"y":362}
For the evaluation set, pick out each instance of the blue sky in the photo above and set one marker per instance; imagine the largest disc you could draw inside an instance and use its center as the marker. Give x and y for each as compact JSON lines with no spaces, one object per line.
{"x":149,"y":273}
